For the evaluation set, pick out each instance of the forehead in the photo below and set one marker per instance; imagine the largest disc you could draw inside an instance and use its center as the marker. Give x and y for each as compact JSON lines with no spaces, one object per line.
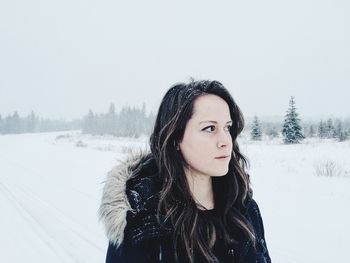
{"x":211,"y":107}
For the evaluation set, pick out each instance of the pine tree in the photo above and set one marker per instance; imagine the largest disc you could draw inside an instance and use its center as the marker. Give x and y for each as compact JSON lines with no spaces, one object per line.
{"x":291,"y":128}
{"x":13,"y":123}
{"x":31,"y":122}
{"x":340,"y":133}
{"x":1,"y":125}
{"x":344,"y":135}
{"x":89,"y":124}
{"x":111,"y":120}
{"x":338,"y":129}
{"x":256,"y":130}
{"x":330,"y":130}
{"x":272,"y":132}
{"x":312,"y":131}
{"x":321,"y":130}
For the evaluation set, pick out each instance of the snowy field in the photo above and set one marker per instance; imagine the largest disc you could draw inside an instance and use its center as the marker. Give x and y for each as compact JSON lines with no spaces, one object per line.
{"x":51,"y":184}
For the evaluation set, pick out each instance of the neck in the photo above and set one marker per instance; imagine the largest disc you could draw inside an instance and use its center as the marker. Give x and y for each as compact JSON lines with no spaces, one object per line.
{"x":202,"y":189}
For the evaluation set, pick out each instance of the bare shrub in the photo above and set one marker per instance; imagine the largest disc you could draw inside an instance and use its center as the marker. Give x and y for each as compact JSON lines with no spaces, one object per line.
{"x":80,"y":144}
{"x":63,"y":136}
{"x":106,"y":148}
{"x":328,"y":168}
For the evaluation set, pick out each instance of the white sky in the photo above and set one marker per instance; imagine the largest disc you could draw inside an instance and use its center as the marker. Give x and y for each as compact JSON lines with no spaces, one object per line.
{"x":60,"y":58}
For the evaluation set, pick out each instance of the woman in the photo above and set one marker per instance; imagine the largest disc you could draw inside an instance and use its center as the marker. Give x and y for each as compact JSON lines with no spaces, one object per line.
{"x":189,"y":198}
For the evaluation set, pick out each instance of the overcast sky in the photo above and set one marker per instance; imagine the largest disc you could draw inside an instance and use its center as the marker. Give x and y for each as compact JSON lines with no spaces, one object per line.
{"x":60,"y":58}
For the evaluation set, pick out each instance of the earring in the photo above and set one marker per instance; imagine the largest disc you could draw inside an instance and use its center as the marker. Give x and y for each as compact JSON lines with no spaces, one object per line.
{"x":176,"y":146}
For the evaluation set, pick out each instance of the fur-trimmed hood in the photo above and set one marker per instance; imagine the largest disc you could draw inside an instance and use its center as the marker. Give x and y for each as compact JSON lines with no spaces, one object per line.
{"x":124,"y":198}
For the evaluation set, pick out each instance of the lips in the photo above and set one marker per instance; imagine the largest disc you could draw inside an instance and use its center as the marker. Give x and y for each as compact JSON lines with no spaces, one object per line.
{"x":222,"y":157}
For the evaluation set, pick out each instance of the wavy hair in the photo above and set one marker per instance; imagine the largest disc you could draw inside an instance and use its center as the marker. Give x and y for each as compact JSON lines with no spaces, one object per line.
{"x":191,"y":232}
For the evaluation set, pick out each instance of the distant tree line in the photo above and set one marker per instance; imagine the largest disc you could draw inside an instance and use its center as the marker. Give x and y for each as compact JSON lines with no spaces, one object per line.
{"x":292,"y":131}
{"x":14,"y":124}
{"x":129,"y":122}
{"x":330,"y":129}
{"x":133,"y":122}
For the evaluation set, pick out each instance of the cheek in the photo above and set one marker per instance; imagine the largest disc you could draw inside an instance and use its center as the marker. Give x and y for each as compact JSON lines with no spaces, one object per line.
{"x":196,"y":151}
{"x":197,"y":160}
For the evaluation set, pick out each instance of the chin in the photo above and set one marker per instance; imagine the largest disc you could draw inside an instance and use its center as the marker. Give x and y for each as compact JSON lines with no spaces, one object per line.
{"x":220,"y":174}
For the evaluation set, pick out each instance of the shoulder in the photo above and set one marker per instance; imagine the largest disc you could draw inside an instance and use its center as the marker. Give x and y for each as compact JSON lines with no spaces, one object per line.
{"x":251,"y":206}
{"x":130,"y":199}
{"x":253,"y":214}
{"x":115,"y":203}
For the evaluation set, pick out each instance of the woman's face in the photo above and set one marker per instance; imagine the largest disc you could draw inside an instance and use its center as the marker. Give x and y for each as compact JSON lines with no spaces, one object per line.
{"x":207,"y":136}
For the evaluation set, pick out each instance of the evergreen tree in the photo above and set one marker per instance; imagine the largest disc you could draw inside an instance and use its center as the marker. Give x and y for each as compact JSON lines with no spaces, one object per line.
{"x":321,"y":130}
{"x":12,"y":123}
{"x":255,"y":133}
{"x":344,"y":135}
{"x":89,"y":124}
{"x":1,"y":125}
{"x":272,"y":132}
{"x":312,"y":132}
{"x":291,"y":128}
{"x":111,"y":120}
{"x":330,"y":130}
{"x":143,"y":111}
{"x":338,"y":129}
{"x":31,"y":122}
{"x":16,"y":122}
{"x":99,"y":124}
{"x":340,"y":133}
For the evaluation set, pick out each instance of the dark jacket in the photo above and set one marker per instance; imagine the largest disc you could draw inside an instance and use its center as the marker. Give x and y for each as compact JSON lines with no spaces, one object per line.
{"x":128,"y":211}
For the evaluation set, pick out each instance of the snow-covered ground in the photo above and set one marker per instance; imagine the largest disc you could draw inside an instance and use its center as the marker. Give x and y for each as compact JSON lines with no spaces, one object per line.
{"x":51,"y":184}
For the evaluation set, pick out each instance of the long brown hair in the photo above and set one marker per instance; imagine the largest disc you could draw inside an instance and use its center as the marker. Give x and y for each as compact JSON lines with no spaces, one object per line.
{"x":230,"y":191}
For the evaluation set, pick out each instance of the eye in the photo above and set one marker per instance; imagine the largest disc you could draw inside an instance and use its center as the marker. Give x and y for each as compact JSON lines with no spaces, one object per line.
{"x":229,"y":127}
{"x":213,"y":128}
{"x":206,"y":128}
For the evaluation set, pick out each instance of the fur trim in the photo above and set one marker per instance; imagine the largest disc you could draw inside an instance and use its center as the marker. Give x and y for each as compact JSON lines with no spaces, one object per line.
{"x":114,"y":204}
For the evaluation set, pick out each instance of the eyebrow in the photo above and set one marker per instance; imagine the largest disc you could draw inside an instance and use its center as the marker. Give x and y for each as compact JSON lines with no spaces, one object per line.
{"x":213,"y":122}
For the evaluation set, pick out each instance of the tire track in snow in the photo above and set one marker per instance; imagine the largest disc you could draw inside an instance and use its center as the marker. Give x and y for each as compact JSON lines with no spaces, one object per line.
{"x":65,"y":220}
{"x":43,"y":178}
{"x":49,"y":185}
{"x":42,"y":232}
{"x":50,"y":206}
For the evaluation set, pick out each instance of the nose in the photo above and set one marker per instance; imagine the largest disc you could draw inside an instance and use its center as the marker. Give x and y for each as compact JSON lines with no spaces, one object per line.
{"x":224,"y":139}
